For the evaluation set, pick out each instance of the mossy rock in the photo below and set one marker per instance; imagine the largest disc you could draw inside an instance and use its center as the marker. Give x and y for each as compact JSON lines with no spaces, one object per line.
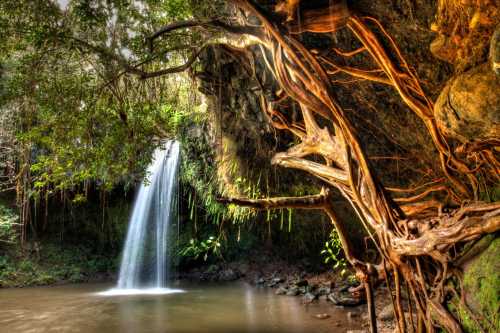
{"x":468,"y":108}
{"x":482,"y":285}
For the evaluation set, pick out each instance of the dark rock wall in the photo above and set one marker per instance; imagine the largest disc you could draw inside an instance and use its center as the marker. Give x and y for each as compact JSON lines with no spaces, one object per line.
{"x":244,"y":143}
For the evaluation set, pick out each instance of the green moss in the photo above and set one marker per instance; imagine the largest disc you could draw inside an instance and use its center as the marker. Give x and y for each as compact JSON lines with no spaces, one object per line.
{"x":495,"y":193}
{"x":491,"y":194}
{"x":482,"y":285}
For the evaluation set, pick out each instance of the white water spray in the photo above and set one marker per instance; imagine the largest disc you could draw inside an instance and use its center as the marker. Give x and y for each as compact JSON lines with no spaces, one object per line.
{"x":144,"y":266}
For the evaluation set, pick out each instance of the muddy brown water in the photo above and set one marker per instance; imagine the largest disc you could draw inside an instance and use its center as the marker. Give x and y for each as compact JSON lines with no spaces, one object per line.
{"x":228,"y":308}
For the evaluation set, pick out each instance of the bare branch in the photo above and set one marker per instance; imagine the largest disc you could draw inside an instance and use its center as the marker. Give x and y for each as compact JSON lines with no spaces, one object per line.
{"x":240,"y":30}
{"x":172,"y":70}
{"x":317,"y":201}
{"x":134,"y":69}
{"x":333,"y":176}
{"x":452,"y":230}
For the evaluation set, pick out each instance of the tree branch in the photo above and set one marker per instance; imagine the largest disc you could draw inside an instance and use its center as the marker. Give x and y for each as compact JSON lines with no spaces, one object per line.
{"x":133,"y":69}
{"x":234,"y":29}
{"x":171,"y":70}
{"x":453,"y":229}
{"x":318,"y":201}
{"x":333,"y":176}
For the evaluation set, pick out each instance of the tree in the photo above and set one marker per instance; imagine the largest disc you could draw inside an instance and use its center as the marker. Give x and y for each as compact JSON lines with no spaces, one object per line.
{"x":410,"y":232}
{"x":75,"y":121}
{"x":415,"y":228}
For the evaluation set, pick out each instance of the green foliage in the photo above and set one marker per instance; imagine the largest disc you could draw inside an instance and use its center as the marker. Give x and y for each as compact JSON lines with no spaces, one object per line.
{"x":332,"y":253}
{"x":9,"y":222}
{"x":200,"y":187}
{"x":202,"y":183}
{"x":53,"y":264}
{"x":195,"y":249}
{"x":79,"y":118}
{"x":202,"y":178}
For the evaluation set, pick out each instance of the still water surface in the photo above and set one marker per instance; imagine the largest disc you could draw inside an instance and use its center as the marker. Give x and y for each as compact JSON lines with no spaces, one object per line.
{"x":231,"y":308}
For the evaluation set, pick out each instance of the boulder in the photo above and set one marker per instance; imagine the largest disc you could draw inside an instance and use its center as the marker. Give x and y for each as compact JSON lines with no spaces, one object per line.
{"x":278,"y":280}
{"x":468,"y":108}
{"x":309,"y":297}
{"x":328,"y":284}
{"x":272,"y":284}
{"x":323,"y":290}
{"x":228,"y":275}
{"x":301,"y":283}
{"x":293,"y":291}
{"x":243,"y":268}
{"x":281,"y":291}
{"x":322,"y":316}
{"x":275,"y":282}
{"x":344,"y":298}
{"x":343,"y":286}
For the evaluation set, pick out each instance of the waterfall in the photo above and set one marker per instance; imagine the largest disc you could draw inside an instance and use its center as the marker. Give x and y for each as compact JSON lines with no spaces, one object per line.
{"x":144,"y":266}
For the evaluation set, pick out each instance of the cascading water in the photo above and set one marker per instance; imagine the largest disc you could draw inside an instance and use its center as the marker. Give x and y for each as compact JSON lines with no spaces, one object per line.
{"x":144,"y":266}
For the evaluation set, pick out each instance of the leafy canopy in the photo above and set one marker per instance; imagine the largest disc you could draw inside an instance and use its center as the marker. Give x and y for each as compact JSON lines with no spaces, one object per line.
{"x":77,"y":116}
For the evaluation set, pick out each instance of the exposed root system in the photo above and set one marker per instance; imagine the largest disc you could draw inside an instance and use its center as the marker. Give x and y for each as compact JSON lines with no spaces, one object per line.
{"x":413,"y":232}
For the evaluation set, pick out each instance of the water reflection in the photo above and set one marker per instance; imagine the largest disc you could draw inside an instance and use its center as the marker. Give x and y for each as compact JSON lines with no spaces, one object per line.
{"x":133,"y":292}
{"x":234,"y":308}
{"x":250,"y":309}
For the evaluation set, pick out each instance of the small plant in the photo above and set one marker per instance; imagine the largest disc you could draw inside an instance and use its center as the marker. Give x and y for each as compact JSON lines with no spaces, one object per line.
{"x":352,"y":279}
{"x":333,"y":253}
{"x":197,"y":248}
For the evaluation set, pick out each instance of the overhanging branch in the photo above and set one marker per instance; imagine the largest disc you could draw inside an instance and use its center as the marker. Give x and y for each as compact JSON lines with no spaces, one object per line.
{"x":234,"y":29}
{"x":171,"y":70}
{"x":318,"y":201}
{"x":134,"y":69}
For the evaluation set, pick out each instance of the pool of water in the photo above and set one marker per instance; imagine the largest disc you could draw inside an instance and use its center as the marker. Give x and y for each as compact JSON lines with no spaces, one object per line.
{"x":229,"y":308}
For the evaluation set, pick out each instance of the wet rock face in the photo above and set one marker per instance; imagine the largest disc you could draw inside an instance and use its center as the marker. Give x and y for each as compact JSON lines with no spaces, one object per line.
{"x":228,"y":275}
{"x":468,"y":108}
{"x":443,"y":49}
{"x":495,"y":51}
{"x":464,"y":29}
